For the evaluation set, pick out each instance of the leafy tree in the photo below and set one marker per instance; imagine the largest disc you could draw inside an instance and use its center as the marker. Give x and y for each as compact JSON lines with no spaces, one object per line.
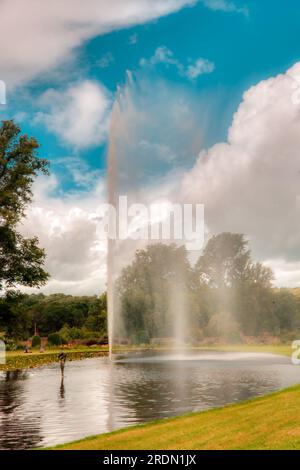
{"x":151,"y":289}
{"x":286,"y":307}
{"x":52,"y":313}
{"x":54,"y":339}
{"x":241,"y":287}
{"x":97,"y":315}
{"x":16,"y":323}
{"x":225,"y":261}
{"x":21,"y":259}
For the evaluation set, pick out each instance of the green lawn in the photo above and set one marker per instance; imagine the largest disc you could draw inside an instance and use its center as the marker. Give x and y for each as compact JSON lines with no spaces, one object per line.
{"x":281,"y":349}
{"x":271,"y":422}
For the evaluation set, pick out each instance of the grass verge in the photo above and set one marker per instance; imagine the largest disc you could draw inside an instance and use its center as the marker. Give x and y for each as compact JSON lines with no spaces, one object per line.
{"x":270,"y":422}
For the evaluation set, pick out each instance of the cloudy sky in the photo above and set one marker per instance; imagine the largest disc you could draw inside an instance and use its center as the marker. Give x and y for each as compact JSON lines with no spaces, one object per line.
{"x":212,"y":107}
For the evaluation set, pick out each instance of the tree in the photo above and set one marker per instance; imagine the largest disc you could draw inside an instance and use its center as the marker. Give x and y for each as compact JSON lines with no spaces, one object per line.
{"x":242,"y":288}
{"x":53,"y":312}
{"x":21,"y":259}
{"x":225,"y":260}
{"x":151,"y":291}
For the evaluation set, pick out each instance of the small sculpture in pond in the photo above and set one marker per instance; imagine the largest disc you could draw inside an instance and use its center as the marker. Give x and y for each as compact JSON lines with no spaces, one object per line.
{"x":62,"y":359}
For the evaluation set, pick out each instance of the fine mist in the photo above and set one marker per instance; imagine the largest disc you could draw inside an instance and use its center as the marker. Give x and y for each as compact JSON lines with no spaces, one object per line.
{"x":146,"y":283}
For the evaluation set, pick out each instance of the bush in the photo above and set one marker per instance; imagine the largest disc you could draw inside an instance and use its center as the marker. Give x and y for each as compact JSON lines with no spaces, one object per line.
{"x":36,"y":342}
{"x":68,"y":333}
{"x":10,"y":345}
{"x":54,"y":339}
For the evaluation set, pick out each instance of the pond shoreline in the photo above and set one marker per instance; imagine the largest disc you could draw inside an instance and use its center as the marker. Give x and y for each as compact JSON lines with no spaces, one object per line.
{"x":265,"y":423}
{"x":16,"y":360}
{"x":21,"y":360}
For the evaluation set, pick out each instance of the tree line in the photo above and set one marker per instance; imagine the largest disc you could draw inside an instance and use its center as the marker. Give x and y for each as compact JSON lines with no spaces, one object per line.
{"x":71,"y":317}
{"x":225,"y":295}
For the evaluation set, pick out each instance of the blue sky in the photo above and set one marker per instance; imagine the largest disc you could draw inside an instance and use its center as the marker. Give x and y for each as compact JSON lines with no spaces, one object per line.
{"x":245,"y":46}
{"x":208,"y":88}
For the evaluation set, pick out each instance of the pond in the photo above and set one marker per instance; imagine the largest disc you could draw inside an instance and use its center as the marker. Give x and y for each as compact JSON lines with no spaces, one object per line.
{"x":37,"y":409}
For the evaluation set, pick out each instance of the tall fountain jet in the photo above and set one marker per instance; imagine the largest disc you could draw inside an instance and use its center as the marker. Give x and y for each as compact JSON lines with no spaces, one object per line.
{"x":112,"y":181}
{"x":146,"y":302}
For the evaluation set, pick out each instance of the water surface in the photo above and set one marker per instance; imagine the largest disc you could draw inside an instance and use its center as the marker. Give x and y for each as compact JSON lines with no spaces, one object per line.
{"x":37,"y":409}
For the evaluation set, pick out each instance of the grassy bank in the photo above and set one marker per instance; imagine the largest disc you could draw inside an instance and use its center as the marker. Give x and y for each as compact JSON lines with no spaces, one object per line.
{"x":280,"y":349}
{"x":19,"y":360}
{"x":270,"y":422}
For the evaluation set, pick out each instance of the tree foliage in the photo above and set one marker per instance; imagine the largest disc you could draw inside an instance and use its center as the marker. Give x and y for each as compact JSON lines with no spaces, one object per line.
{"x":21,"y":259}
{"x":227,"y":294}
{"x":146,"y":286}
{"x":52,"y":313}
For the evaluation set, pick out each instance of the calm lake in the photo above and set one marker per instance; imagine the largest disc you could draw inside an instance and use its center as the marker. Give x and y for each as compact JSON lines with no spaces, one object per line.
{"x":37,"y":409}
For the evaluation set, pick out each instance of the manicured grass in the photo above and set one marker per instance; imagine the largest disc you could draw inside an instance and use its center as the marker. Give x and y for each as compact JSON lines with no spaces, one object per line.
{"x":270,"y":422}
{"x":280,"y":349}
{"x":19,"y":360}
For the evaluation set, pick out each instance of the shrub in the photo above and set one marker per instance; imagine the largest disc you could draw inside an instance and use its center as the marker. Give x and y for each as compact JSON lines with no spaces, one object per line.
{"x":36,"y":342}
{"x":10,"y":345}
{"x":54,"y":339}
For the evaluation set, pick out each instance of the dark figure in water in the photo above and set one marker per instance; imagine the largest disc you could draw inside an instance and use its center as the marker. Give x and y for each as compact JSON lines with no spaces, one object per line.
{"x":62,"y":359}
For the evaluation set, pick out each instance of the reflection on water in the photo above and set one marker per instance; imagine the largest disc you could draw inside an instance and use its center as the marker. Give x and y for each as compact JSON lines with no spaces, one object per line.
{"x":37,"y":408}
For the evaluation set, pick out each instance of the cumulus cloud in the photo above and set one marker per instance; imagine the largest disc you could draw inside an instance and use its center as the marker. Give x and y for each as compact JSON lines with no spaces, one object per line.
{"x":41,"y":35}
{"x":192,"y":70}
{"x":77,"y":115}
{"x":251,"y":183}
{"x":286,"y":273}
{"x":67,"y":230}
{"x":159,"y":130}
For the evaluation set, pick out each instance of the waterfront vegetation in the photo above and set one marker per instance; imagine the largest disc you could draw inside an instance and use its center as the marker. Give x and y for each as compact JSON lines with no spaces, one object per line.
{"x":16,"y":360}
{"x":19,"y":360}
{"x":270,"y":422}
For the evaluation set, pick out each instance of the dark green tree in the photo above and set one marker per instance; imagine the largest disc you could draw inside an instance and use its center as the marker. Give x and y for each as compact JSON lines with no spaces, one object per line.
{"x":241,"y":287}
{"x":151,"y":288}
{"x":21,"y":259}
{"x":225,"y":260}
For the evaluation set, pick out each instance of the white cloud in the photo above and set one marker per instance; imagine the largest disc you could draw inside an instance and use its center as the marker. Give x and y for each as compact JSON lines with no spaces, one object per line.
{"x":162,"y":55}
{"x":200,"y":67}
{"x":67,"y":229}
{"x":225,"y":5}
{"x":251,"y":183}
{"x":79,"y":171}
{"x":78,"y":115}
{"x":42,"y":35}
{"x":287,"y":274}
{"x":192,"y":70}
